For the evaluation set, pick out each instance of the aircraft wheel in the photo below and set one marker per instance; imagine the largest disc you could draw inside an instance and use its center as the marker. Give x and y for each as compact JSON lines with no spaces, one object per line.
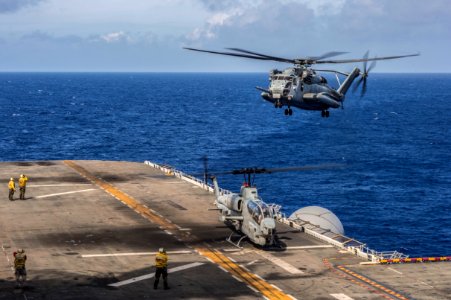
{"x":327,"y":114}
{"x":290,"y":111}
{"x":323,"y":113}
{"x":286,"y":111}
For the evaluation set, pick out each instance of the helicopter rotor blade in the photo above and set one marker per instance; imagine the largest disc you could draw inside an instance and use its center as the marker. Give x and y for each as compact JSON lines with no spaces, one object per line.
{"x":243,"y":55}
{"x":372,"y":65}
{"x":327,"y":55}
{"x":305,"y":168}
{"x":363,"y":92}
{"x":275,"y":170}
{"x":344,"y":61}
{"x":365,"y":57}
{"x":357,"y":84}
{"x":269,"y":57}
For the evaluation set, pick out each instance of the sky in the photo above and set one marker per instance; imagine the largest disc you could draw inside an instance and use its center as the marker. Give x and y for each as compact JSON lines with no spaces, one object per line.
{"x":149,"y":36}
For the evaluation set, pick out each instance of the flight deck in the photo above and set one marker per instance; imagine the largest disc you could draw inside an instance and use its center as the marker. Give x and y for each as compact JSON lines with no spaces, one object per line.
{"x":90,"y":230}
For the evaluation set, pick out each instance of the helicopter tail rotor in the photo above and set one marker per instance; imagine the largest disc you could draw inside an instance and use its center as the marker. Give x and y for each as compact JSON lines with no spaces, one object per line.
{"x":364,"y":75}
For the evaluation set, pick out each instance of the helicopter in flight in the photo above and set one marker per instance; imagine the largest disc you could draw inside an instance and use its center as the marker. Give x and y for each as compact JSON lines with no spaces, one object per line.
{"x":301,"y":86}
{"x":245,"y":212}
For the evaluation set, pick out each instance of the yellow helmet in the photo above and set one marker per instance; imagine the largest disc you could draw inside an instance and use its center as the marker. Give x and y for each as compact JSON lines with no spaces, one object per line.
{"x":161,"y":250}
{"x":11,"y":178}
{"x":21,"y":175}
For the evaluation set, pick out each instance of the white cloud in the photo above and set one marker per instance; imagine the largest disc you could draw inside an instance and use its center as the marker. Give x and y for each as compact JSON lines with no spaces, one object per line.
{"x":115,"y":37}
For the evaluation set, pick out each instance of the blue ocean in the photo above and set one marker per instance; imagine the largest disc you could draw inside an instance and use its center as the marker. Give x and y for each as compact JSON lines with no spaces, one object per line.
{"x":393,"y":192}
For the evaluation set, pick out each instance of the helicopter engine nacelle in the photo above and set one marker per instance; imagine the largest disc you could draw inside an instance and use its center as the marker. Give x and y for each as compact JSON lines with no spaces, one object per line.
{"x":232,"y":202}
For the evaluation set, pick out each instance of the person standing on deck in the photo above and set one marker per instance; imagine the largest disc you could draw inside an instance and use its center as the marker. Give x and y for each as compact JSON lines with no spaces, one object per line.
{"x":161,"y":264}
{"x":22,"y":185}
{"x":12,"y":188}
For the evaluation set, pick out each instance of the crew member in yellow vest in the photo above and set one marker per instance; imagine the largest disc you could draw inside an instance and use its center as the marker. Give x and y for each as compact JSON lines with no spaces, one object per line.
{"x":22,"y":185}
{"x":161,"y":264}
{"x":12,"y":188}
{"x":19,"y":266}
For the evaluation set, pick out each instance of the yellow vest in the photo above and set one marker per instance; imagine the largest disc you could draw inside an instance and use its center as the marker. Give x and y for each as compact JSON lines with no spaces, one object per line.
{"x":161,"y":260}
{"x":11,"y":185}
{"x":19,"y":261}
{"x":23,"y":181}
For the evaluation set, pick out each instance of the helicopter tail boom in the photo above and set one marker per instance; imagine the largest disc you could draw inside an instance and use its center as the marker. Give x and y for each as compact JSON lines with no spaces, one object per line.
{"x":348,"y":81}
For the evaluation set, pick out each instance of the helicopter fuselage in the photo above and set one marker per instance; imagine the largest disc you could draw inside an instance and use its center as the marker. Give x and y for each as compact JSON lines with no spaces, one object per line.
{"x":247,"y":213}
{"x":304,"y":89}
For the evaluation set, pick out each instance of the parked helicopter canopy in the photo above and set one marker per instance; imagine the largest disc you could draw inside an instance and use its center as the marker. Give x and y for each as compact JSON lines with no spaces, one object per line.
{"x":319,"y":216}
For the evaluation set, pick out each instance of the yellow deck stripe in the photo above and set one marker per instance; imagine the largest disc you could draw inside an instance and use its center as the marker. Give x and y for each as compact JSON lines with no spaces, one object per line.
{"x":217,"y":257}
{"x":251,"y":279}
{"x":372,"y":283}
{"x":121,"y":196}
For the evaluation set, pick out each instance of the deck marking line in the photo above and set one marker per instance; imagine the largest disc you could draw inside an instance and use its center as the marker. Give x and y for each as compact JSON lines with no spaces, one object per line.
{"x":252,"y":262}
{"x":309,"y":247}
{"x":341,"y":297}
{"x":394,"y":270}
{"x":112,"y":190}
{"x":148,"y":276}
{"x":373,"y":283}
{"x":57,"y":185}
{"x":133,"y":254}
{"x":354,"y":280}
{"x":252,"y":280}
{"x":65,"y":193}
{"x":279,"y":262}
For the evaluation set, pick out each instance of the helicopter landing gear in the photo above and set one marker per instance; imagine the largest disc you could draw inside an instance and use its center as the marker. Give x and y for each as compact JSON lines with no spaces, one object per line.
{"x":325,"y":113}
{"x":288,"y":111}
{"x":236,"y":244}
{"x":278,"y":104}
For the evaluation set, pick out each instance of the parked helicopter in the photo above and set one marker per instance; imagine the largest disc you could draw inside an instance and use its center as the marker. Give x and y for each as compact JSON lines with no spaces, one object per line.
{"x":301,"y":86}
{"x":246,"y":212}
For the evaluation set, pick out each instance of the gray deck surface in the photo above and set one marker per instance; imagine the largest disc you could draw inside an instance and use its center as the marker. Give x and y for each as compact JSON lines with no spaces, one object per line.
{"x":66,"y":217}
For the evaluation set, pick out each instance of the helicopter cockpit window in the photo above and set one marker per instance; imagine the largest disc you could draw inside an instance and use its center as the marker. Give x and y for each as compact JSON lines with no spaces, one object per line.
{"x":255,"y":211}
{"x":267,"y":212}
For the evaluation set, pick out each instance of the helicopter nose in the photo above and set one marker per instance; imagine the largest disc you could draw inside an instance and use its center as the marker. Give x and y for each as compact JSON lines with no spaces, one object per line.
{"x":268,"y":224}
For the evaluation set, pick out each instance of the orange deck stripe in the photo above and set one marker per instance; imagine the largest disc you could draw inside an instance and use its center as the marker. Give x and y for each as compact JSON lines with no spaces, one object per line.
{"x":372,"y":283}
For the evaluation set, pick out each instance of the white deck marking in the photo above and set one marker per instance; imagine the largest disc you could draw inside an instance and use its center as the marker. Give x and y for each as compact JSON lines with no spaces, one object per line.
{"x":148,"y":276}
{"x":60,"y":184}
{"x":281,"y":263}
{"x":252,"y":262}
{"x":65,"y":193}
{"x":309,"y":247}
{"x":426,"y":284}
{"x":394,"y":270}
{"x":133,"y":254}
{"x":341,"y":297}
